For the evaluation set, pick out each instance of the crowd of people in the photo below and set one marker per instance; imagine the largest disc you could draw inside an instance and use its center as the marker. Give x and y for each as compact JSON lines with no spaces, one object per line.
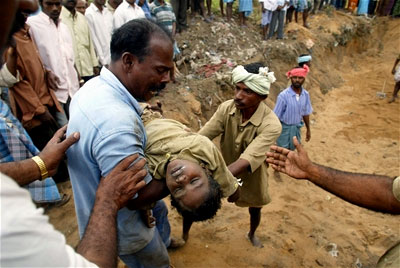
{"x":95,"y":72}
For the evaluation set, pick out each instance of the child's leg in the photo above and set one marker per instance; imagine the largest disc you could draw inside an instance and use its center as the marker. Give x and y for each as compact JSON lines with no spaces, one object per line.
{"x":255,"y":218}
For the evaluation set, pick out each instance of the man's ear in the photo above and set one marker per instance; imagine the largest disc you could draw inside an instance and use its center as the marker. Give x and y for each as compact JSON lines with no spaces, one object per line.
{"x":128,"y":61}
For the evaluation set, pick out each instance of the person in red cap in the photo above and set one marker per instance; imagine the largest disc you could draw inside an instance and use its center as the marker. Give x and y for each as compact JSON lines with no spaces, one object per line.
{"x":293,"y":108}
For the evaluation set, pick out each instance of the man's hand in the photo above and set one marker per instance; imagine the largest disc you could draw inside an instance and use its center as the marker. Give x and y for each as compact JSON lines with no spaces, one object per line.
{"x":55,"y":149}
{"x":123,"y":182}
{"x":52,"y":80}
{"x":156,"y":107}
{"x":235,"y":196}
{"x":308,"y":135}
{"x":295,"y":164}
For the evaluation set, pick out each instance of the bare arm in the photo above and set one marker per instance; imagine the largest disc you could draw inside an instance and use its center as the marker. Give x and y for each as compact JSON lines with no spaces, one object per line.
{"x":306,"y":119}
{"x":99,"y":243}
{"x":154,"y":191}
{"x":27,"y":171}
{"x":239,"y":166}
{"x":395,"y":64}
{"x":365,"y":190}
{"x":12,"y":61}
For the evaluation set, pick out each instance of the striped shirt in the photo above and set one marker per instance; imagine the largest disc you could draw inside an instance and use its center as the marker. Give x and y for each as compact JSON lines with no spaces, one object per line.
{"x":291,"y":109}
{"x":163,"y":14}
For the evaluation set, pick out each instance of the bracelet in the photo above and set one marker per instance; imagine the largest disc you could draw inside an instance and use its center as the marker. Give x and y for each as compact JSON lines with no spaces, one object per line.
{"x":42,"y":167}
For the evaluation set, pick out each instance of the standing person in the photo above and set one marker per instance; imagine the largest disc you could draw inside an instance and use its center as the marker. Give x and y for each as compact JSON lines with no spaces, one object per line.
{"x":100,"y":22}
{"x":34,"y":102}
{"x":289,"y":12}
{"x":278,"y":16}
{"x":293,"y":107}
{"x":304,"y":59}
{"x":266,"y":11}
{"x":180,"y":9}
{"x":54,"y":43}
{"x":125,"y":12}
{"x":144,"y":5}
{"x":248,"y":129}
{"x":141,"y":62}
{"x":301,"y":6}
{"x":245,"y":9}
{"x":86,"y":61}
{"x":112,"y":5}
{"x":396,"y":73}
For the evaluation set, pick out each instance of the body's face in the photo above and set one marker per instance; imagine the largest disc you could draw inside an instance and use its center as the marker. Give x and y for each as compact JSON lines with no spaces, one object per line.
{"x":81,"y":6}
{"x":52,"y":8}
{"x":150,"y":76}
{"x":297,"y":81}
{"x":245,"y":98}
{"x":187,"y":182}
{"x":70,"y":4}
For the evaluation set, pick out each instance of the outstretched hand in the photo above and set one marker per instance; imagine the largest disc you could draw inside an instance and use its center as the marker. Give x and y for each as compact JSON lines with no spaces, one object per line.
{"x":55,"y":149}
{"x":295,"y":164}
{"x":123,"y":182}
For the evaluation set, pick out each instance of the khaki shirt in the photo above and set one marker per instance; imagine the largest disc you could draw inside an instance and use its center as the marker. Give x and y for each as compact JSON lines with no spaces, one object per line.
{"x":85,"y":55}
{"x":168,"y":140}
{"x":249,"y":141}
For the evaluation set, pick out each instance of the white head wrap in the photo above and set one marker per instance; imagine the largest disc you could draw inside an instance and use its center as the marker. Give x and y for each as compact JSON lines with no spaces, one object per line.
{"x":259,"y":83}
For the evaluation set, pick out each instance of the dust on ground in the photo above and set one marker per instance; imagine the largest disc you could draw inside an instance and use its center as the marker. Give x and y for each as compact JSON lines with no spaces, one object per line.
{"x":353,"y":128}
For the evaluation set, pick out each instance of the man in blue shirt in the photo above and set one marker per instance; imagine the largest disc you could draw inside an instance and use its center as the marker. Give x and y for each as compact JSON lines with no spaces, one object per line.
{"x":293,"y":106}
{"x":106,"y":113}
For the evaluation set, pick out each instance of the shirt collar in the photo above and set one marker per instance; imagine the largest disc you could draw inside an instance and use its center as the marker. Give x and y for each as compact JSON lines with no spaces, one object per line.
{"x":255,"y":119}
{"x":95,"y":8}
{"x":292,"y":93}
{"x":69,"y":14}
{"x":46,"y":18}
{"x":114,"y":82}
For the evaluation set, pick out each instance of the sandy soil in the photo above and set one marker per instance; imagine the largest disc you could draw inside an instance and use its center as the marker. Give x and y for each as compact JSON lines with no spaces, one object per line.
{"x":352,"y":129}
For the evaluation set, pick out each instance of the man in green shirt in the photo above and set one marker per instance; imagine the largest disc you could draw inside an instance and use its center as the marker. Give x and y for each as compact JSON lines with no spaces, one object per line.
{"x":247,"y":128}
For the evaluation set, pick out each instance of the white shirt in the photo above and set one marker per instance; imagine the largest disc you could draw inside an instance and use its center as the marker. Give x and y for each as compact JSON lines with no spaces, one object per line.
{"x":101,"y":25}
{"x":125,"y":12}
{"x":56,"y":50}
{"x":27,"y":237}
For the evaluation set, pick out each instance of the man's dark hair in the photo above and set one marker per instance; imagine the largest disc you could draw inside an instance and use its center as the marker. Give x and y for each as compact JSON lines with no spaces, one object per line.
{"x":253,"y":67}
{"x":134,"y":37}
{"x":208,"y":209}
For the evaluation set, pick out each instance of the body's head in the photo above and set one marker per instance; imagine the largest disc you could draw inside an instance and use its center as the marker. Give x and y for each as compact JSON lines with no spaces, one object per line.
{"x":51,"y":8}
{"x":81,"y":6}
{"x":141,"y":57}
{"x":193,"y":191}
{"x":252,"y":83}
{"x":297,"y":76}
{"x":114,"y":3}
{"x":304,"y":59}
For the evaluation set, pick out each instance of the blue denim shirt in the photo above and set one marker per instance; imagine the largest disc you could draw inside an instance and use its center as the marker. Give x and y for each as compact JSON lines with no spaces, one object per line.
{"x":290,"y":110}
{"x":108,"y":119}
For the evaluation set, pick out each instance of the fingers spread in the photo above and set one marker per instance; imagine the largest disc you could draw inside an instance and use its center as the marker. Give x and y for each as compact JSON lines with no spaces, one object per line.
{"x":126,"y":162}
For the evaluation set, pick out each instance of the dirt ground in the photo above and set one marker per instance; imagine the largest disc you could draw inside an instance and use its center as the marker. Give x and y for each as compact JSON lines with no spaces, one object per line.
{"x":352,"y":129}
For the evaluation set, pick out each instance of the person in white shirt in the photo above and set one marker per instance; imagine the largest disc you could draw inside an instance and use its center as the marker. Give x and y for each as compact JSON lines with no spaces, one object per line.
{"x":100,"y":22}
{"x":278,"y":16}
{"x":55,"y":45}
{"x":127,"y":11}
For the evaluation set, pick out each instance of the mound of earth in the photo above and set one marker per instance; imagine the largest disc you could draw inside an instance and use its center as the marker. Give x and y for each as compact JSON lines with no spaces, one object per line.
{"x":353,"y":128}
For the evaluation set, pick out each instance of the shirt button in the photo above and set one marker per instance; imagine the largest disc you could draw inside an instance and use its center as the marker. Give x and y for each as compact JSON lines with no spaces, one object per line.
{"x":241,"y":128}
{"x":168,"y":155}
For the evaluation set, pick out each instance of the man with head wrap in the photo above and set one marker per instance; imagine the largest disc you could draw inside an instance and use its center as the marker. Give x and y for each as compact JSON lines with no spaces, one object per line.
{"x":248,"y":129}
{"x":293,"y":107}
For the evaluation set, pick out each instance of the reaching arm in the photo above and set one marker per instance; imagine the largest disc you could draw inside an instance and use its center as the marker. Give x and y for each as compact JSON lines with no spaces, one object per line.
{"x":395,"y":64}
{"x":366,"y":190}
{"x":99,"y":243}
{"x":306,"y":119}
{"x":27,"y":171}
{"x":239,"y":166}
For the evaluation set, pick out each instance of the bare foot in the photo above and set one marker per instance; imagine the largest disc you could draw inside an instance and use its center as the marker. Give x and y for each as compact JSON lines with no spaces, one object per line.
{"x":255,"y":241}
{"x":176,"y":243}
